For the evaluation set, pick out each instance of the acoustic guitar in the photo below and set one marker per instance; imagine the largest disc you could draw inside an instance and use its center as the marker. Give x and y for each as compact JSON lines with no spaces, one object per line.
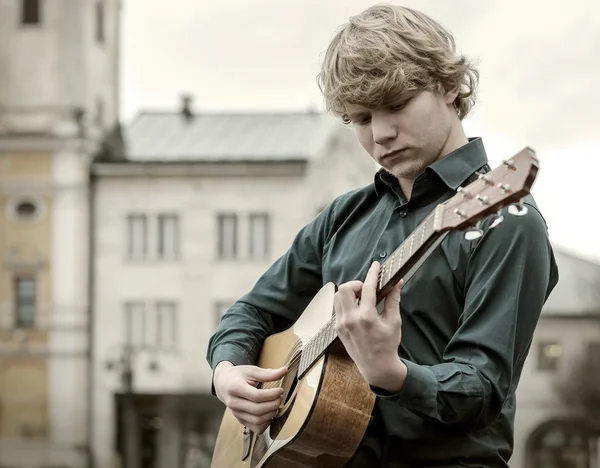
{"x":327,"y":404}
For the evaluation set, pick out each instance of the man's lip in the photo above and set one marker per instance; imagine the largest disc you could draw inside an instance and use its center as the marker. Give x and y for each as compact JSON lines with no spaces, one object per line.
{"x":392,"y":153}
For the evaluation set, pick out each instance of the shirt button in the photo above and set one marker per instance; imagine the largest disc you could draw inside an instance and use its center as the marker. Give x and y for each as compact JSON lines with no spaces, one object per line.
{"x":402,"y":214}
{"x":382,"y":254}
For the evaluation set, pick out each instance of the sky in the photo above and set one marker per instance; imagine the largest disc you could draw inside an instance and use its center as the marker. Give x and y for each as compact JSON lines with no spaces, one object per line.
{"x":538,"y":61}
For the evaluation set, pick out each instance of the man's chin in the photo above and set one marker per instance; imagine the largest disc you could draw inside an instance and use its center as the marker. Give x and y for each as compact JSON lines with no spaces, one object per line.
{"x":404,"y":171}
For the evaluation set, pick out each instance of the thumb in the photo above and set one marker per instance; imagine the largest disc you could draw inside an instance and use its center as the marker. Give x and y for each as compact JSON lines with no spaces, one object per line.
{"x":260,"y":374}
{"x":392,"y":301}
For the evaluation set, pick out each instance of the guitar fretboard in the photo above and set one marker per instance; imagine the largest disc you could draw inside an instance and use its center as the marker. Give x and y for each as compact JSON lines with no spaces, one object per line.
{"x":392,"y":270}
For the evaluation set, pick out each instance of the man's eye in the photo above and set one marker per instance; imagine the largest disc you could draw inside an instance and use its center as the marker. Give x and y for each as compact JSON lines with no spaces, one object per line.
{"x":397,"y":107}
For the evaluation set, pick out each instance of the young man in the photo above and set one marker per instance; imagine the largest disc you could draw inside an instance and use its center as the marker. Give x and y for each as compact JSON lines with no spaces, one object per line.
{"x":446,"y":366}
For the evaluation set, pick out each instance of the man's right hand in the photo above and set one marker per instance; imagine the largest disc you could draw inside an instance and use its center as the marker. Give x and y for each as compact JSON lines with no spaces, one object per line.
{"x":235,"y":386}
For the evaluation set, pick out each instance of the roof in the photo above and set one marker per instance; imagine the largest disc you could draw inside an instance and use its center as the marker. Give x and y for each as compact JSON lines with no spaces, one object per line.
{"x":578,"y":288}
{"x":163,"y":136}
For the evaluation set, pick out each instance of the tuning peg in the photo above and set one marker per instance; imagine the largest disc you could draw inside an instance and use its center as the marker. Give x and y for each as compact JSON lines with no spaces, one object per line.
{"x":510,"y":164}
{"x":483,"y":200}
{"x":497,"y":219}
{"x":465,"y":193}
{"x":475,"y":232}
{"x":486,"y":178}
{"x":518,"y":209}
{"x":504,"y":187}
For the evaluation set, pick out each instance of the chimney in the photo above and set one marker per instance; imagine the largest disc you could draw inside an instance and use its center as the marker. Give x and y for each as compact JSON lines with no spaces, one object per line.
{"x":186,"y":107}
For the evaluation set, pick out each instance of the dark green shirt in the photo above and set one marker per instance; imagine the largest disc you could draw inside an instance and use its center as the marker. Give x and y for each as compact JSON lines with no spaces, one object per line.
{"x":468,"y":314}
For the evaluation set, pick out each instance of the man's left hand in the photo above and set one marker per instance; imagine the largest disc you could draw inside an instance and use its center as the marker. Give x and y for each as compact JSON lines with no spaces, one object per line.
{"x":371,"y":339}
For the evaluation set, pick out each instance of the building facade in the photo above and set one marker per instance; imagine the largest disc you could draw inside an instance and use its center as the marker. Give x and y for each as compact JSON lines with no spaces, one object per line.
{"x":548,"y":432}
{"x":201,"y":207}
{"x":58,"y":95}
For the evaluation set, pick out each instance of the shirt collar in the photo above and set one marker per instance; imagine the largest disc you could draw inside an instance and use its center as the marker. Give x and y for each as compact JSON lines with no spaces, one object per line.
{"x":453,"y":169}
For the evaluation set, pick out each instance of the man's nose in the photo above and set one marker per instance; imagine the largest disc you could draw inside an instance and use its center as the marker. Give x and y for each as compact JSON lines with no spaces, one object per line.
{"x":383,"y":129}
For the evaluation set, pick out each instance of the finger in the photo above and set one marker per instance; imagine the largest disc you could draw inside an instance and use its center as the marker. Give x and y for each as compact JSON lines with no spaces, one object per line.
{"x":354,"y":286}
{"x":248,"y":419}
{"x":345,"y":299}
{"x":391,"y":308}
{"x":369,"y":290}
{"x":256,"y":409}
{"x":246,"y":391}
{"x":260,"y":374}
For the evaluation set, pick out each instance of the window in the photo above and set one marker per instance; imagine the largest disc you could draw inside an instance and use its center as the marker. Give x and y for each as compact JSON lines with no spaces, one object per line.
{"x":259,"y":236}
{"x":100,"y":22}
{"x":560,"y":444}
{"x":549,"y":354}
{"x":25,"y":301}
{"x":594,"y":351}
{"x":25,"y":208}
{"x":137,"y":236}
{"x":166,"y":325}
{"x":30,"y":12}
{"x":100,"y":112}
{"x":227,"y":235}
{"x":135,"y":324}
{"x":168,"y":236}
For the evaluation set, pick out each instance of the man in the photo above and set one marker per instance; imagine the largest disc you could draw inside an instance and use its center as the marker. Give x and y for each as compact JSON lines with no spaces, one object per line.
{"x":446,"y":367}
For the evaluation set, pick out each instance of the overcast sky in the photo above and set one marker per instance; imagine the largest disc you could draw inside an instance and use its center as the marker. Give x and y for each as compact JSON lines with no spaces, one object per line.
{"x":539,"y":63}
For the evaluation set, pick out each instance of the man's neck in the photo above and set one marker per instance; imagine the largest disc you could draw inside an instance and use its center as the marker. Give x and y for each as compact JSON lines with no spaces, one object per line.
{"x":456,"y":139}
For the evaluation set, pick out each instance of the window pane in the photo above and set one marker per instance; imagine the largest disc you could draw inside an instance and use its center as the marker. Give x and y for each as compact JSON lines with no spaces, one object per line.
{"x":135,"y":324}
{"x":25,"y":302}
{"x":227,"y":236}
{"x":166,"y":325}
{"x":168,"y":236}
{"x":30,"y":12}
{"x":100,"y":22}
{"x":259,"y":236}
{"x":137,"y":236}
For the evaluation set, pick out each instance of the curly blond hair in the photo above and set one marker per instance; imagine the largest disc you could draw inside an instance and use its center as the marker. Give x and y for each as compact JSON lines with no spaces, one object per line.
{"x":388,"y":50}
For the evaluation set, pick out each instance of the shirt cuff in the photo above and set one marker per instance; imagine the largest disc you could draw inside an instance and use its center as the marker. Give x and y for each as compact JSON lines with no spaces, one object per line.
{"x":227,"y":352}
{"x":419,"y":392}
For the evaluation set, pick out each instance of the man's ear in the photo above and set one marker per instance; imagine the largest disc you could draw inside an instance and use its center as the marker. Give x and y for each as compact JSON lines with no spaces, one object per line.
{"x":451,"y":94}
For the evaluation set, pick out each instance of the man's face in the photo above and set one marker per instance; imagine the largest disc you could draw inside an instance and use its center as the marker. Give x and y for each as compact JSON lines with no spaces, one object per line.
{"x":408,"y":135}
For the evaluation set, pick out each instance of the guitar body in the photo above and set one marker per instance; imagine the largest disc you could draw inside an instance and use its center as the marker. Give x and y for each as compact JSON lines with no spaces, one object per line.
{"x":325,"y":414}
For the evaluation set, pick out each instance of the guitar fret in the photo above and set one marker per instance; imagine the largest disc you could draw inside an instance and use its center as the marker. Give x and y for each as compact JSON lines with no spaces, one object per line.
{"x":315,"y":347}
{"x":321,"y":342}
{"x":412,"y":241}
{"x":310,"y":349}
{"x":423,"y":232}
{"x":400,"y":258}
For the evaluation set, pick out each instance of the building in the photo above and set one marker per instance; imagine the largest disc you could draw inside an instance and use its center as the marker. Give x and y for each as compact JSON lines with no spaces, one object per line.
{"x":547,"y":433}
{"x":183,"y":227}
{"x":185,"y":224}
{"x":58,"y":95}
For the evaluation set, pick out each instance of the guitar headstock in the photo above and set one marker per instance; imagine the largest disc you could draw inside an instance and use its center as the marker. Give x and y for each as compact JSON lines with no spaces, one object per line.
{"x":505,"y":185}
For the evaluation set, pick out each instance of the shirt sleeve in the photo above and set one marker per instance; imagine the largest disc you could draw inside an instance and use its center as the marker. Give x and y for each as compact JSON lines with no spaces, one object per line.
{"x":277,"y":299}
{"x":510,"y":272}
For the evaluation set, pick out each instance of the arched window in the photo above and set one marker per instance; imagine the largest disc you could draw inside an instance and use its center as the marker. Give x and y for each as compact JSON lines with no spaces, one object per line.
{"x":560,"y":444}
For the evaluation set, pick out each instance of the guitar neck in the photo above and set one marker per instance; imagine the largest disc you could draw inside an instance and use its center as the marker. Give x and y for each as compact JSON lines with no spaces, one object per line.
{"x":401,"y":264}
{"x":505,"y":185}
